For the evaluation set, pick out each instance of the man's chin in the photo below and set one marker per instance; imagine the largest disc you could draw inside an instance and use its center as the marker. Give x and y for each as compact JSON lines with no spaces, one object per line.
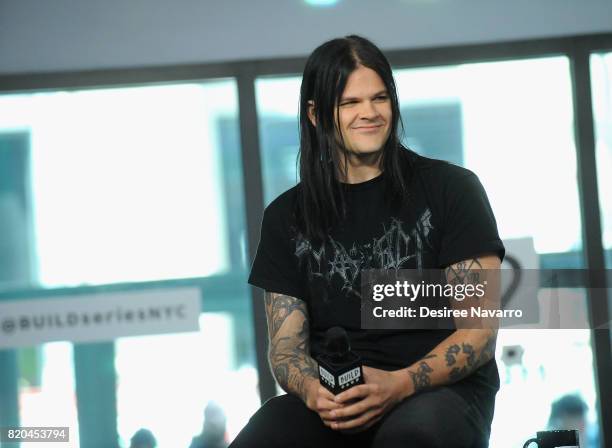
{"x":365,"y":152}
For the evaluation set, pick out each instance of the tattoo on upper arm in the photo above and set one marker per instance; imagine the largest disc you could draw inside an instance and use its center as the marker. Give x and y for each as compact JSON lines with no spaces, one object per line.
{"x":462,"y":272}
{"x":279,"y":307}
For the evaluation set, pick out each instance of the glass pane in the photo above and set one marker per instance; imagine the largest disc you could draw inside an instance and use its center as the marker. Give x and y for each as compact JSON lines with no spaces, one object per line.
{"x":277,"y":109}
{"x":533,"y":377}
{"x":47,"y":389}
{"x":127,"y":185}
{"x":125,"y":182}
{"x":601,"y":81}
{"x":507,"y":121}
{"x":156,"y":380}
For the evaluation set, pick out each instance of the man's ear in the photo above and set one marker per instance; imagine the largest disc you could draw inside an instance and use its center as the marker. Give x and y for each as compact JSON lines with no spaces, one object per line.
{"x":311,"y":113}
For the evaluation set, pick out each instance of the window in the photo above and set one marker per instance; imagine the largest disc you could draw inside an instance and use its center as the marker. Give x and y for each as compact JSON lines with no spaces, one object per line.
{"x":127,"y":185}
{"x":601,"y":81}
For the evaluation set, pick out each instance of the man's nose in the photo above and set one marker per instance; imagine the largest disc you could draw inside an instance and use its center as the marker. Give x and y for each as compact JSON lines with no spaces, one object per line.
{"x":368,"y":110}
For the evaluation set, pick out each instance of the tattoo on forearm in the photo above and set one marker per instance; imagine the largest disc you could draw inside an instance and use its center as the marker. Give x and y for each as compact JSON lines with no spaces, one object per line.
{"x":471,"y":354}
{"x":458,"y":372}
{"x":472,"y":360}
{"x":488,"y":350}
{"x":291,"y":367}
{"x":289,"y":352}
{"x":451,"y":352}
{"x":421,"y":378}
{"x":281,"y":372}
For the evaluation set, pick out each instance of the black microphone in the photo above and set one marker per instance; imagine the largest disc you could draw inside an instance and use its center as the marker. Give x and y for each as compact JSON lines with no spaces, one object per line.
{"x":339,"y":368}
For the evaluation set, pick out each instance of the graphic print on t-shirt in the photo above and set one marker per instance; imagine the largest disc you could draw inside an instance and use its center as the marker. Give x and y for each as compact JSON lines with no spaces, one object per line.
{"x":393,"y":249}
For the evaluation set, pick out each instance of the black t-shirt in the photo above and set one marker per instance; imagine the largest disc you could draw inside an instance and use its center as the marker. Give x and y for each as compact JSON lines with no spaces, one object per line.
{"x":447,"y":219}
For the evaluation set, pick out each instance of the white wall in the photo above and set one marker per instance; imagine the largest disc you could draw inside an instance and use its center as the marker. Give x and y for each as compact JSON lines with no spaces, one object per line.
{"x":56,"y":35}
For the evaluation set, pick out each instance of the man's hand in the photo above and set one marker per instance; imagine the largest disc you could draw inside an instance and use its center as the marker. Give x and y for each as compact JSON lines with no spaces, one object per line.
{"x":321,"y":401}
{"x":362,"y":406}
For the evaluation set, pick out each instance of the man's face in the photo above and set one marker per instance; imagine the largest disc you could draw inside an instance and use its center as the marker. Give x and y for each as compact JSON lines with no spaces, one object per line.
{"x":365,"y":112}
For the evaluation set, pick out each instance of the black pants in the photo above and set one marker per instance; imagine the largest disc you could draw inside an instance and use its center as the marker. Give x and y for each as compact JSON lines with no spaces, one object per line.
{"x":436,"y":418}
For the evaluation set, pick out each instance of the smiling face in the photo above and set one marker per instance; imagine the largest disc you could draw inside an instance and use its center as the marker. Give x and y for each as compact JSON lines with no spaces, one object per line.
{"x":363,"y":120}
{"x":365,"y":113}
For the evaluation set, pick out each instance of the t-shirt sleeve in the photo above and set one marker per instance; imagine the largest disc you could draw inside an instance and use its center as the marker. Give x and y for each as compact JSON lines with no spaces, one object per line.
{"x":274,"y":268}
{"x":469,"y":228}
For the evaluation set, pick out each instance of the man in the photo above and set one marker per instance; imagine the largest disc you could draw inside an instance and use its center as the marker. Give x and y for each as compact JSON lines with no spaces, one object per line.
{"x":143,"y":438}
{"x":213,"y":433}
{"x":570,"y":412}
{"x":366,"y":202}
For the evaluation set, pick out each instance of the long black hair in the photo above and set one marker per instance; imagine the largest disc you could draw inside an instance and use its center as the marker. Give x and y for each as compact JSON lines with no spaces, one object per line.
{"x":321,"y":200}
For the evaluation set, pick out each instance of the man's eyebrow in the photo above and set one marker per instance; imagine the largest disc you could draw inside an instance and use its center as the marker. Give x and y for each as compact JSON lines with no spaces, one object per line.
{"x":351,"y":98}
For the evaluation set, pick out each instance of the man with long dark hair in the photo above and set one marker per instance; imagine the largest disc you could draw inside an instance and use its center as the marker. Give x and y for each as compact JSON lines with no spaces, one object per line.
{"x":366,"y":202}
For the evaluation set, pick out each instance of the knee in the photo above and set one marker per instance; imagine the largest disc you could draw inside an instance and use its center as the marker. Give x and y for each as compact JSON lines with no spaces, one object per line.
{"x":261,"y":429}
{"x":395,"y":436}
{"x":440,"y":418}
{"x":419,"y":435}
{"x":282,"y":421}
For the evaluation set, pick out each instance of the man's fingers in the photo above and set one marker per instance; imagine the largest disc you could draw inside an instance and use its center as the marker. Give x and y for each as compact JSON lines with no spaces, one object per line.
{"x":326,"y":400}
{"x":360,"y":391}
{"x":324,"y":404}
{"x":353,"y":409}
{"x":328,"y":423}
{"x":326,"y":416}
{"x":327,"y":419}
{"x":372,"y":422}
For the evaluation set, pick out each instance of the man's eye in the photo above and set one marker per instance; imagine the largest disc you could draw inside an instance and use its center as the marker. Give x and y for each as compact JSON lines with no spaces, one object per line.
{"x":382,"y":97}
{"x":347,"y":103}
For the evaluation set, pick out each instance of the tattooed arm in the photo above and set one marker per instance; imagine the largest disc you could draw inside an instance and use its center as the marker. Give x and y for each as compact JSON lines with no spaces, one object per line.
{"x":454,"y":358}
{"x":466,"y":349}
{"x":289,"y":350}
